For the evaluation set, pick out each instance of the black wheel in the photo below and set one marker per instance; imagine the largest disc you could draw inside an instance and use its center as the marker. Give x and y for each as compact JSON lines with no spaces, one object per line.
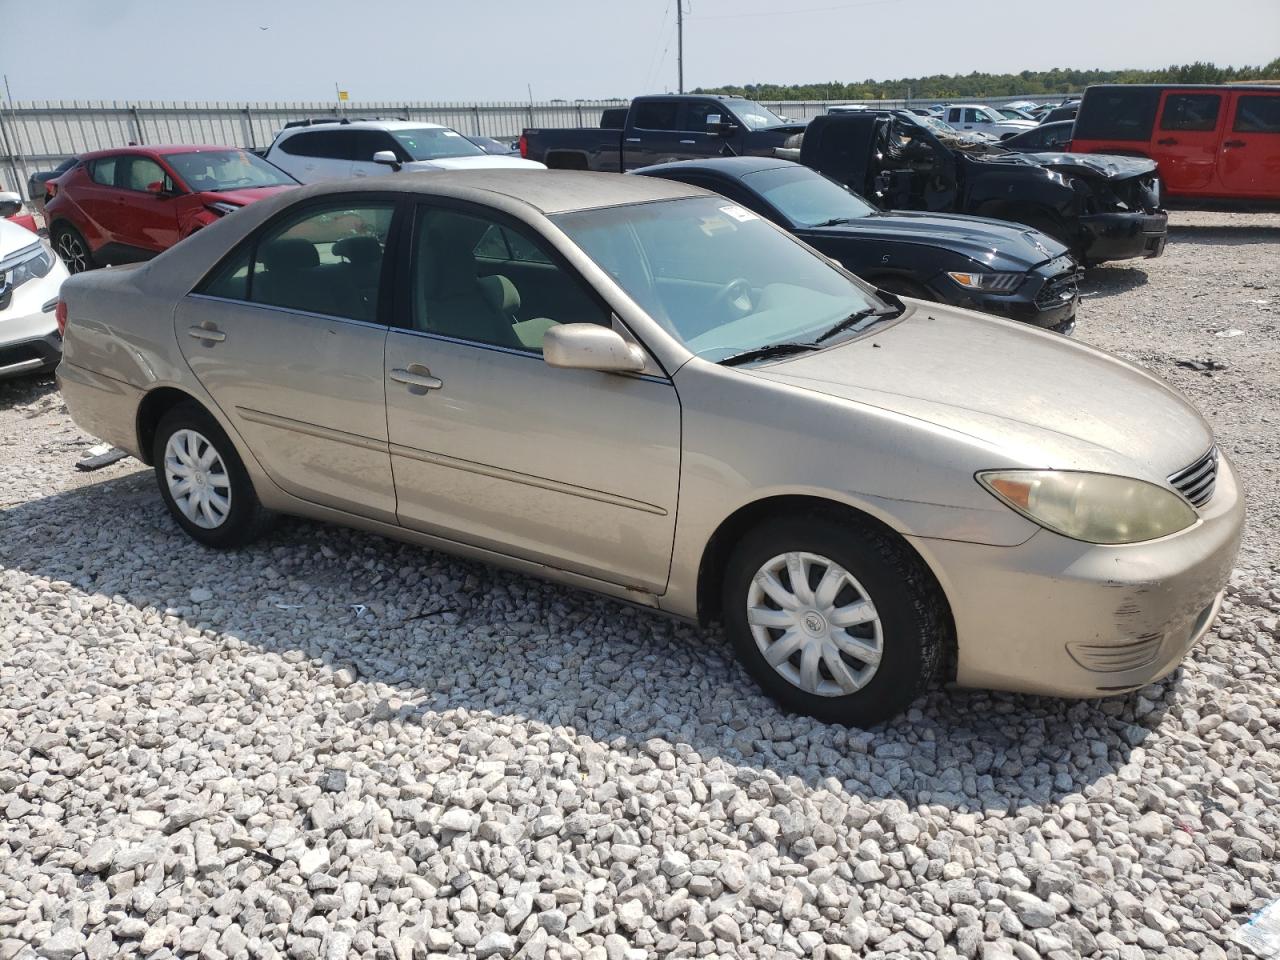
{"x":904,"y":288}
{"x":833,"y":618}
{"x":203,"y":480}
{"x":72,"y":249}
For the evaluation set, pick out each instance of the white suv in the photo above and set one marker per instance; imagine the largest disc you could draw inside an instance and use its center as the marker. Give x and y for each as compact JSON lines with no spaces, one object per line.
{"x":969,"y":116}
{"x":337,"y":149}
{"x":30,"y":277}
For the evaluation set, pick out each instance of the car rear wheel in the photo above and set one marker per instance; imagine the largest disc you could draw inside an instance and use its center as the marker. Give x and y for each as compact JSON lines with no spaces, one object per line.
{"x":72,"y":249}
{"x":835,"y":619}
{"x":203,"y":481}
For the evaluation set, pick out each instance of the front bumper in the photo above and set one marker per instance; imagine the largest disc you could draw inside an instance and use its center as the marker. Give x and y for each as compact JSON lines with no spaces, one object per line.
{"x":1048,"y":298}
{"x":1122,"y":236}
{"x":1058,"y":617}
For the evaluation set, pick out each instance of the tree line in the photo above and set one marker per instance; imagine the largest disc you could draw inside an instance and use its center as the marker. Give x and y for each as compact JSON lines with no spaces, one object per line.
{"x":977,"y":85}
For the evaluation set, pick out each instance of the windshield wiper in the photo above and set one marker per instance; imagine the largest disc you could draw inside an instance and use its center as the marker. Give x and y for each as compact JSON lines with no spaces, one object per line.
{"x":767,"y":352}
{"x":853,"y":319}
{"x":834,"y":222}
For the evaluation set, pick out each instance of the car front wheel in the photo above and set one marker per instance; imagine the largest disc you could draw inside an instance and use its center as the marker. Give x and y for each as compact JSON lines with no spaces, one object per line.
{"x":835,"y":619}
{"x":203,"y":481}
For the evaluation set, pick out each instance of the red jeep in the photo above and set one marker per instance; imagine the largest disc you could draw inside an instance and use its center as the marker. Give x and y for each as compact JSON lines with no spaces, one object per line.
{"x":1211,"y":142}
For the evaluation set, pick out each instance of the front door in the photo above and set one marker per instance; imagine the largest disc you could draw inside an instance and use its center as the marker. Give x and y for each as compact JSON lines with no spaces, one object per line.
{"x":699,"y":134}
{"x":1188,"y":131}
{"x":286,"y":336}
{"x":1249,"y":163}
{"x":490,"y":446}
{"x":147,"y":211}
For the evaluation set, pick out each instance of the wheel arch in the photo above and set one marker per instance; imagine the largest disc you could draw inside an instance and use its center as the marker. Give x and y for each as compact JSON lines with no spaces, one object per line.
{"x":719,"y":547}
{"x":155,"y":405}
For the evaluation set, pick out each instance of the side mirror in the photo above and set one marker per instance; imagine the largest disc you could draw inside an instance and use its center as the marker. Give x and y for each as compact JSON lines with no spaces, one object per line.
{"x":589,"y":346}
{"x":156,"y":187}
{"x":10,"y":204}
{"x":389,"y":158}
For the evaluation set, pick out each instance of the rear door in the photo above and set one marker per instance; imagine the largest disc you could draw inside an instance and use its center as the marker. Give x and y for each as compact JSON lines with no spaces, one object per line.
{"x":98,"y":197}
{"x":315,"y":155}
{"x":1186,"y":139}
{"x":1249,"y":162}
{"x":287,"y":336}
{"x":652,"y":133}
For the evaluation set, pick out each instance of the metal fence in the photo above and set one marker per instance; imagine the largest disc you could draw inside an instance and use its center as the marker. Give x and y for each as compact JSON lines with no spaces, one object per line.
{"x":37,"y":135}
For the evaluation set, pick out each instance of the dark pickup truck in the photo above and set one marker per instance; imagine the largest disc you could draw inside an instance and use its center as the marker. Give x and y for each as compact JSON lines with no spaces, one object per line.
{"x":1101,"y":207}
{"x":661,"y":129}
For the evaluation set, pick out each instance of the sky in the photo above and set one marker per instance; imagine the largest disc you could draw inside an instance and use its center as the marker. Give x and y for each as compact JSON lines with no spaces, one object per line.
{"x":462,"y":50}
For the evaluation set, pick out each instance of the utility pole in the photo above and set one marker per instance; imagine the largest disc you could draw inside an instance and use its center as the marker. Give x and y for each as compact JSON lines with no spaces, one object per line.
{"x":680,"y":46}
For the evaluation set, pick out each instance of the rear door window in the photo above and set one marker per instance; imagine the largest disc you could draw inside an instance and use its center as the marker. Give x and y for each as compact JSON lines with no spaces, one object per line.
{"x":327,"y":144}
{"x":1117,"y":113}
{"x":1191,"y":111}
{"x":656,"y":114}
{"x":103,"y":171}
{"x":1257,"y":114}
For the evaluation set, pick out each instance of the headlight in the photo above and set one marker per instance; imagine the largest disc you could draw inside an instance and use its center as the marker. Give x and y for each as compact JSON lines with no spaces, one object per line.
{"x":33,"y":265}
{"x":222,"y":208}
{"x":988,"y":282}
{"x":1093,"y":507}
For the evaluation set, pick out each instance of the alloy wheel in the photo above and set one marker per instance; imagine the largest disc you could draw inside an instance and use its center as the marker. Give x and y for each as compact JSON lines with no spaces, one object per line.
{"x":815,"y":624}
{"x":72,"y":252}
{"x":197,"y":479}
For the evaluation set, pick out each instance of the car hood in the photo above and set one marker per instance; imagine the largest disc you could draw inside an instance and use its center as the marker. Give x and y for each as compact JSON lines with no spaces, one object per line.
{"x":1037,"y":399}
{"x":244,"y":197}
{"x":13,"y":237}
{"x":1098,"y":164}
{"x":474,"y":163}
{"x":995,"y":243}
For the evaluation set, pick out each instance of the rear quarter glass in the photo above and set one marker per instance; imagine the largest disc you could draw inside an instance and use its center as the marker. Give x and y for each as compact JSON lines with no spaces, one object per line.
{"x":1117,"y":113}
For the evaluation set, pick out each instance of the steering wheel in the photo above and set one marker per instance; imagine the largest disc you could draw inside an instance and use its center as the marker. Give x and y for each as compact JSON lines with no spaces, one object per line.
{"x":735,"y":294}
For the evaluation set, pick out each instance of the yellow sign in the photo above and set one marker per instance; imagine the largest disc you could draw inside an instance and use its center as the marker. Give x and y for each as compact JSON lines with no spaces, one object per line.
{"x":343,"y":95}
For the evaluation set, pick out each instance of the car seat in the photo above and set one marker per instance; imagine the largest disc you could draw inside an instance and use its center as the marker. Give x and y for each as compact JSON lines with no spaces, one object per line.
{"x":505,"y":299}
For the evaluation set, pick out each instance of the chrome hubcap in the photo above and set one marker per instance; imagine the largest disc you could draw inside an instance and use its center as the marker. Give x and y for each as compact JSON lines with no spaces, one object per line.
{"x":815,"y":624}
{"x":72,"y":253}
{"x":197,"y":479}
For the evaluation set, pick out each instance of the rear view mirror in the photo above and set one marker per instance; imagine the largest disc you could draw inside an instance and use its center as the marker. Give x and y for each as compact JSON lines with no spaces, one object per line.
{"x":589,"y":346}
{"x":10,"y":204}
{"x":387,"y":157}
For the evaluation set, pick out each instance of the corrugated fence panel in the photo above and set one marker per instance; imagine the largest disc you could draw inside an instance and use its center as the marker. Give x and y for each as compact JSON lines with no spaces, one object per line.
{"x":37,"y":135}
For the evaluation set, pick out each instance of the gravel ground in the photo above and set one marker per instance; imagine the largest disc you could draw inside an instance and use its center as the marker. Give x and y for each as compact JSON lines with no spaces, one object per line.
{"x":334,"y":745}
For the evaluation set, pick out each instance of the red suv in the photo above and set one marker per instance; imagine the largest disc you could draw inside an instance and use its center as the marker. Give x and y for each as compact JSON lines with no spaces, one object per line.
{"x":1211,"y":142}
{"x":121,"y":206}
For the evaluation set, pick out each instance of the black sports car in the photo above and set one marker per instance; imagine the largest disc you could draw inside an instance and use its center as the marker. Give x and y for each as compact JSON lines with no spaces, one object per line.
{"x":989,"y":265}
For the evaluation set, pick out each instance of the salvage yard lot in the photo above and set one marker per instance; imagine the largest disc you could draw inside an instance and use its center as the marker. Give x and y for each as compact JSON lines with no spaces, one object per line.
{"x":333,"y":744}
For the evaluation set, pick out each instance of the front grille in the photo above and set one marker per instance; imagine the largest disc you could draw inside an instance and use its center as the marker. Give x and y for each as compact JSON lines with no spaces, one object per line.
{"x":1058,"y":290}
{"x":1197,"y":481}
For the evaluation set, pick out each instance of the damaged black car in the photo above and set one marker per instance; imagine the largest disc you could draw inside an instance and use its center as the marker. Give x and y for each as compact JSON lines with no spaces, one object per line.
{"x":1100,"y":207}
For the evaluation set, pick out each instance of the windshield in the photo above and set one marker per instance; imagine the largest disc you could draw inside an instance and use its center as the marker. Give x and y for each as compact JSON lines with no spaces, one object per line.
{"x":718,"y":278}
{"x":754,"y":116}
{"x":435,"y":143}
{"x":207,"y":170}
{"x":806,"y":198}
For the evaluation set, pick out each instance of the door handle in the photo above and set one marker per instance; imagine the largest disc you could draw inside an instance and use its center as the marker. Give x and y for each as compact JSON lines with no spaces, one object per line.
{"x":689,"y":141}
{"x":1234,"y":143}
{"x":207,"y":334}
{"x":420,"y":378}
{"x":1168,"y":142}
{"x":633,"y":139}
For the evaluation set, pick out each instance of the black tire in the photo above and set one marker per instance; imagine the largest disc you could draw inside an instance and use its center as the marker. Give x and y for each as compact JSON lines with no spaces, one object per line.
{"x":247,"y":519}
{"x":914,"y":618}
{"x":72,"y":249}
{"x":903,"y":287}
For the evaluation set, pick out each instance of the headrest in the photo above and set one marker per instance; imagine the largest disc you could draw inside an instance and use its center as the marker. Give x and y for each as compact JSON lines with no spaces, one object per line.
{"x":359,"y":249}
{"x":501,"y":294}
{"x":292,"y":253}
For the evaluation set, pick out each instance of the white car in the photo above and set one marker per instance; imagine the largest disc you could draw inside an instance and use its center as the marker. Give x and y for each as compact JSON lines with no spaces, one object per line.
{"x":337,"y":149}
{"x":970,"y":116}
{"x":30,"y":277}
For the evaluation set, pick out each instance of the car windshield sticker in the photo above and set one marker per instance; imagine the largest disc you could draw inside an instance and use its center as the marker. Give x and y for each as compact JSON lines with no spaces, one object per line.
{"x":741,"y":214}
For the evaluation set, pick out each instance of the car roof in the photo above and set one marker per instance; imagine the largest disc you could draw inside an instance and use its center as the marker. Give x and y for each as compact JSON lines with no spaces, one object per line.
{"x":727,"y":166}
{"x":1269,"y":87}
{"x":149,"y":149}
{"x":363,"y":125}
{"x":547,"y":191}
